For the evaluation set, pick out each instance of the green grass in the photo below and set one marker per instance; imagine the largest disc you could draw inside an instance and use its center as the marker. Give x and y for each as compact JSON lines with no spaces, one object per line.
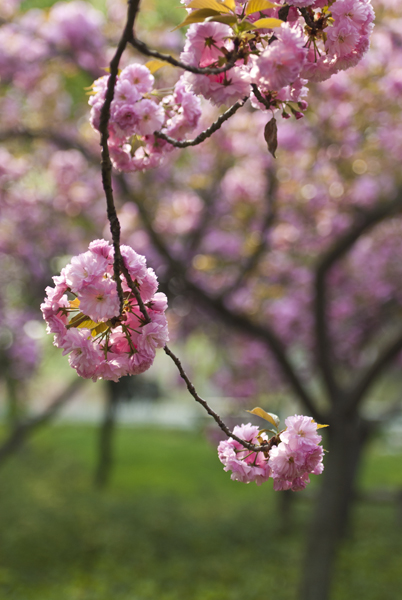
{"x":171,"y":526}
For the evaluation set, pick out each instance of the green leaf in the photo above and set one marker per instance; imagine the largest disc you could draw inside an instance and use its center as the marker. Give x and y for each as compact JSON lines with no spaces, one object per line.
{"x":267,"y":23}
{"x":197,"y":16}
{"x":260,"y":412}
{"x":227,"y":19}
{"x":258,"y":5}
{"x":220,"y":7}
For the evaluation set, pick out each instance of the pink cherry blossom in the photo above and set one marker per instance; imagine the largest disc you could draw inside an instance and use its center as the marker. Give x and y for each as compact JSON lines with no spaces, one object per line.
{"x":102,"y":342}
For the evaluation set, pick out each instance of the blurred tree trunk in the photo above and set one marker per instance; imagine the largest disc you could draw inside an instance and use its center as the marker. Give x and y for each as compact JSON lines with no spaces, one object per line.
{"x":285,"y":504}
{"x":106,"y":435}
{"x":330,"y":521}
{"x":14,"y":408}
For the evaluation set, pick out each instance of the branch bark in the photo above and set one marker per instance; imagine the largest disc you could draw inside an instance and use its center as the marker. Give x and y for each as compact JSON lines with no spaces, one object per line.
{"x":204,"y":134}
{"x":21,"y":432}
{"x":334,"y":254}
{"x":368,"y":378}
{"x":239,"y":321}
{"x":146,"y":51}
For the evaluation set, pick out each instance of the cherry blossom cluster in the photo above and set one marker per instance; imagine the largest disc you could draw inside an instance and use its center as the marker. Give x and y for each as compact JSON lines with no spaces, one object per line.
{"x":319,"y":39}
{"x":271,"y":52}
{"x":291,"y":456}
{"x":83,"y":312}
{"x":136,"y":115}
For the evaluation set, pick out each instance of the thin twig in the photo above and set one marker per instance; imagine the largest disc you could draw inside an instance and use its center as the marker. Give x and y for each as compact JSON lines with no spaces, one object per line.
{"x":119,"y":265}
{"x":208,"y":132}
{"x":144,"y":49}
{"x":389,"y":353}
{"x":259,"y":96}
{"x":25,"y":428}
{"x":210,"y":411}
{"x":323,"y":343}
{"x":106,"y":162}
{"x":239,"y":321}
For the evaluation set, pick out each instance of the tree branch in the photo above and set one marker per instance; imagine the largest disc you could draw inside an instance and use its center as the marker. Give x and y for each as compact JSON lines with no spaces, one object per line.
{"x":60,"y":139}
{"x":20,"y":433}
{"x":144,"y":49}
{"x":204,"y":134}
{"x":211,"y":412}
{"x":325,"y":263}
{"x":133,"y":6}
{"x":372,"y":373}
{"x":253,"y":260}
{"x":238,"y":321}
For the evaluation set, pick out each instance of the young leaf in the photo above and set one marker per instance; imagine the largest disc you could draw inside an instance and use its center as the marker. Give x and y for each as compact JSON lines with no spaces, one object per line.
{"x":271,"y":136}
{"x":198,"y":16}
{"x":260,"y":412}
{"x":267,"y":23}
{"x":88,"y":324}
{"x":274,"y":431}
{"x":75,"y":321}
{"x":220,"y":7}
{"x":100,"y":328}
{"x":258,"y":5}
{"x":74,"y":303}
{"x":321,"y":426}
{"x":155,"y":65}
{"x":231,"y":4}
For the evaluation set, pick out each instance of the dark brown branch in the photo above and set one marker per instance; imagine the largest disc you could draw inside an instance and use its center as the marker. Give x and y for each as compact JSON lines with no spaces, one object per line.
{"x":259,"y":96}
{"x":309,"y":19}
{"x":21,"y":432}
{"x":253,"y":260}
{"x":326,"y":262}
{"x":106,"y":162}
{"x":372,"y":373}
{"x":238,"y":321}
{"x":62,"y":140}
{"x":208,"y":132}
{"x":107,"y":429}
{"x":144,"y":49}
{"x":119,"y":266}
{"x":211,"y":412}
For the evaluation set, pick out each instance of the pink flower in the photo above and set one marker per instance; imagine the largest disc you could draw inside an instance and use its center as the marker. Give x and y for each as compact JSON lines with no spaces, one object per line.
{"x":84,"y":355}
{"x":342,"y":38}
{"x":118,"y":343}
{"x":281,"y":62}
{"x":153,"y":335}
{"x":353,"y":11}
{"x":225,"y":88}
{"x":139,"y":77}
{"x":150,"y":117}
{"x":203,"y":43}
{"x":135,"y":263}
{"x":246,"y":466}
{"x":100,"y":302}
{"x":125,"y":93}
{"x":126,"y":118}
{"x":83,"y":269}
{"x":286,"y":460}
{"x":159,"y":302}
{"x":301,"y":427}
